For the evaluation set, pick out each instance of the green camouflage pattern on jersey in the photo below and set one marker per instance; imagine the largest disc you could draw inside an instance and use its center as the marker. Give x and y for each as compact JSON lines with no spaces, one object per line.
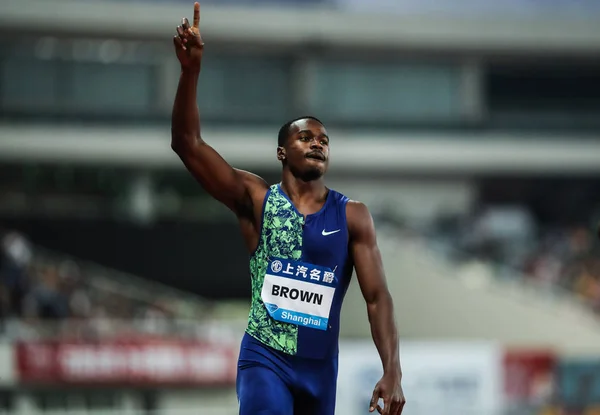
{"x":281,"y":237}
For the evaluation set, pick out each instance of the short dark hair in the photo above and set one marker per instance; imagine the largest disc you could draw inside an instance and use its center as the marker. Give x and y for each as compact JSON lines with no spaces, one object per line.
{"x":284,"y":131}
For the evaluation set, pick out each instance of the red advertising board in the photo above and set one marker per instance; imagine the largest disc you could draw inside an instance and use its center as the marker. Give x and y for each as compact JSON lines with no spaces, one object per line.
{"x":135,"y":362}
{"x":529,"y":375}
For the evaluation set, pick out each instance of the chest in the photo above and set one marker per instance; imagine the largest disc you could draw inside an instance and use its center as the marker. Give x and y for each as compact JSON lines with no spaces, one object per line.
{"x":321,"y":238}
{"x":325,"y":236}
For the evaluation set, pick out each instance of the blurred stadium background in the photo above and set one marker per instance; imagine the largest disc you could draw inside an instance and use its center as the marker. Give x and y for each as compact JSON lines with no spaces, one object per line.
{"x":471,"y":128}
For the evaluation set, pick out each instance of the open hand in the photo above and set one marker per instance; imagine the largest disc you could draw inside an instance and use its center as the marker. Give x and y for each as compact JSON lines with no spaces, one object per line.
{"x":188,"y":42}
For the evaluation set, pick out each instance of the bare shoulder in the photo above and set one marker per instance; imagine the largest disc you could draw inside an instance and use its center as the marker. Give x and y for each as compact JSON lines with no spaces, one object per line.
{"x":253,"y":182}
{"x":359,"y":218}
{"x":357,"y":209}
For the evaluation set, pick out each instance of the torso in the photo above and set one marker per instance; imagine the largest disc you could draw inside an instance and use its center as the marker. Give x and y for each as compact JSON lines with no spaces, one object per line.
{"x":299,"y":256}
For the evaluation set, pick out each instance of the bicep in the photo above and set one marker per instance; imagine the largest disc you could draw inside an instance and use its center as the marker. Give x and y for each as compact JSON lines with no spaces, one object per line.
{"x":224,"y":183}
{"x":368,"y":263}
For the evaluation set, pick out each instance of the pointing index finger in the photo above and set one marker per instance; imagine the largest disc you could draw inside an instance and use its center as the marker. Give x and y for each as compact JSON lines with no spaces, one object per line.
{"x":196,"y":15}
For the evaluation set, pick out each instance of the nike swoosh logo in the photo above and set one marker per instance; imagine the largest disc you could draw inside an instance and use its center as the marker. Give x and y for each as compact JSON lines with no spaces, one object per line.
{"x":325,"y":233}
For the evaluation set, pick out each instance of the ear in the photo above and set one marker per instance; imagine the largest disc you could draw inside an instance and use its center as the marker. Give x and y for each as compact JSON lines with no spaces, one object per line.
{"x":280,"y":153}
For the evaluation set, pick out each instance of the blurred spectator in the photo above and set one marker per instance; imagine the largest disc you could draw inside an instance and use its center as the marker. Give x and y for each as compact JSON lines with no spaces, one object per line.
{"x":79,"y":302}
{"x":508,"y":242}
{"x":55,"y":296}
{"x":15,"y":257}
{"x":46,"y":300}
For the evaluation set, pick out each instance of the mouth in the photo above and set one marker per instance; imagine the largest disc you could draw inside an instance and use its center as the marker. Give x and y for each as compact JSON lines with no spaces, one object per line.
{"x":316,"y":156}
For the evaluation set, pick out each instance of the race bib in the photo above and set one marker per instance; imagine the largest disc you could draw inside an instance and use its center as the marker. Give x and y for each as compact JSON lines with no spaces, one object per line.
{"x":298,"y":293}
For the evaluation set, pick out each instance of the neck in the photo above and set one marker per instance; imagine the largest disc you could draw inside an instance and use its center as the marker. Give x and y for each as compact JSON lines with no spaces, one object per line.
{"x":299,"y":189}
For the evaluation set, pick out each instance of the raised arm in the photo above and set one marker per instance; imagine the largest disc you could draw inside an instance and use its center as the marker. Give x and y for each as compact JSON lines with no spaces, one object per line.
{"x":380,"y":308}
{"x":230,"y":186}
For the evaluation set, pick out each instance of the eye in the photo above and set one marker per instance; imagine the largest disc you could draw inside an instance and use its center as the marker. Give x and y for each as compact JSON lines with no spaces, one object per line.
{"x":324,"y":142}
{"x":304,"y":138}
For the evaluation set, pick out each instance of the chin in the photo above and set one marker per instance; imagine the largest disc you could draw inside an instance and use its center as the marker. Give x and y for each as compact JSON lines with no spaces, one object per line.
{"x":312,"y":174}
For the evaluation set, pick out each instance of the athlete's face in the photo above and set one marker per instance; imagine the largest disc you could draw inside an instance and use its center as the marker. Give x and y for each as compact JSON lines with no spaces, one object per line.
{"x":306,"y":152}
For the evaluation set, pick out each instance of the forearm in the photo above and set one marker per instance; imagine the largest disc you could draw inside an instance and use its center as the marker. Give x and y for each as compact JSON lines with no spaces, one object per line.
{"x":185,"y":118}
{"x":385,"y":332}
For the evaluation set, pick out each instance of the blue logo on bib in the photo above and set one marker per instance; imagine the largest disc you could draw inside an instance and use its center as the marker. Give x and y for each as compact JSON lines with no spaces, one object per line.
{"x":271,"y":308}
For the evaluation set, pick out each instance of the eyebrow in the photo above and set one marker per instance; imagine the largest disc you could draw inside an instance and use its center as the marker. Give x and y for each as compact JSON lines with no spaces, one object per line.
{"x":310,"y":132}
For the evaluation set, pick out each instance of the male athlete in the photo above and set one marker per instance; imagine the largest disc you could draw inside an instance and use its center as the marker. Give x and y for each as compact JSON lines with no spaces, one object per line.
{"x":304,"y":241}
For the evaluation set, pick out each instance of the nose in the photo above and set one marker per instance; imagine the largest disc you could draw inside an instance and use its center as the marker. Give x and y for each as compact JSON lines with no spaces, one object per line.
{"x":315,"y":144}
